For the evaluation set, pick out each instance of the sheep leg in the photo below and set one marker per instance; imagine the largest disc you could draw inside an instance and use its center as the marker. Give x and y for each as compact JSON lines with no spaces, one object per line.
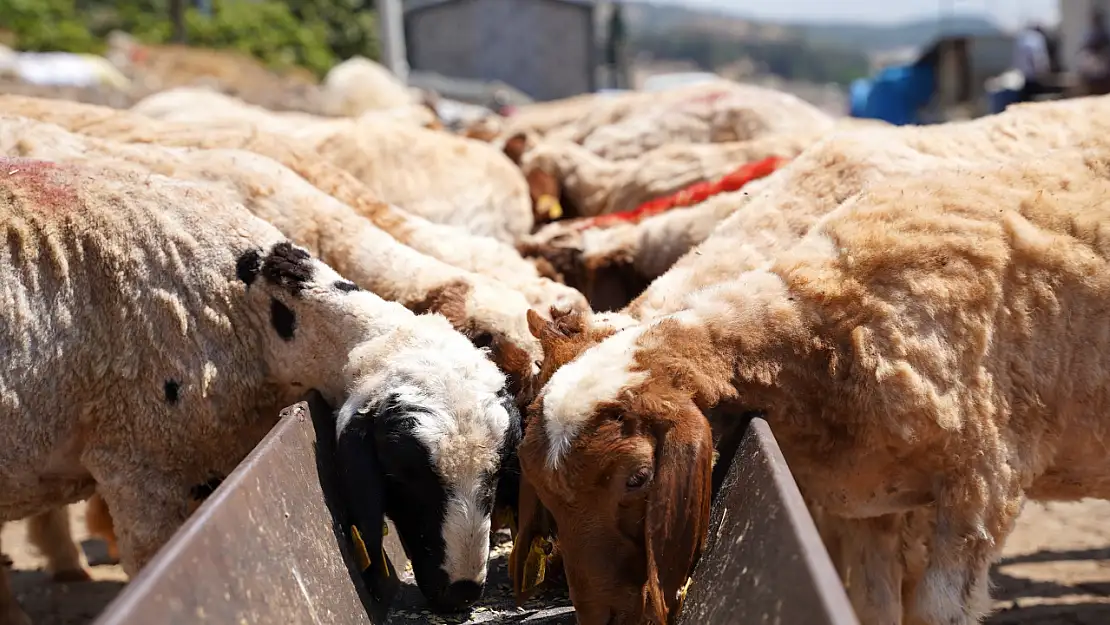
{"x":10,"y":612}
{"x":98,"y":522}
{"x":916,"y":533}
{"x":146,"y":511}
{"x":973,"y":517}
{"x":50,"y":533}
{"x":868,"y":555}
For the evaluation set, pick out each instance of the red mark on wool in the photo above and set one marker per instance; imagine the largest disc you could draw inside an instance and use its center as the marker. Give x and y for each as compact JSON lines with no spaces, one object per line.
{"x":688,"y":196}
{"x":43,"y":182}
{"x":707,"y":98}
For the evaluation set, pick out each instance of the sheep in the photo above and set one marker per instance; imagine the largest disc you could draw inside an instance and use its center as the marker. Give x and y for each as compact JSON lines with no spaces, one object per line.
{"x":614,"y":265}
{"x":484,"y":309}
{"x":227,"y":320}
{"x":932,"y":342}
{"x":209,"y":108}
{"x":739,"y":116}
{"x":621,"y":120}
{"x":439,"y":176}
{"x":358,"y":85}
{"x":587,"y":185}
{"x":778,"y":210}
{"x":480,"y":255}
{"x":713,"y":112}
{"x":782,"y":207}
{"x":556,"y":116}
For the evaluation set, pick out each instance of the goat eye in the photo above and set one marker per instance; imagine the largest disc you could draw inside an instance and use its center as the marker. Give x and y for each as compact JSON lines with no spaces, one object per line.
{"x":639,"y":478}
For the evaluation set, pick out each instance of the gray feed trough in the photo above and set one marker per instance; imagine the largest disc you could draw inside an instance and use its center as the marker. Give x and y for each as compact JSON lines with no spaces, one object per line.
{"x":267,"y":548}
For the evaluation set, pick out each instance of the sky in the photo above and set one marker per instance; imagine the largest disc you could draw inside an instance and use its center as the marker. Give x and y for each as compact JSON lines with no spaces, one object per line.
{"x":1006,"y":12}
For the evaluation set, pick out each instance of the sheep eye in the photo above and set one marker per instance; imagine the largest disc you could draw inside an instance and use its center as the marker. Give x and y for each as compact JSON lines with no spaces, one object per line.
{"x":639,"y":478}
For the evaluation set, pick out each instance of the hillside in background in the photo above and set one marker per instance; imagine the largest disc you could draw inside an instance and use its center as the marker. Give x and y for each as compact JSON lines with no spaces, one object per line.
{"x":874,"y":38}
{"x":813,"y":52}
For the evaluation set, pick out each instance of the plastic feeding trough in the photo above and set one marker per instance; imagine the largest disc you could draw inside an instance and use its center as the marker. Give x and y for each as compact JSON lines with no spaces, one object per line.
{"x":268,"y":547}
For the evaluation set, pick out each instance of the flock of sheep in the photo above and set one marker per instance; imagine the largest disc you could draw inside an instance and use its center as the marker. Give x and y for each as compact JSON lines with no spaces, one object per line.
{"x":918,"y":312}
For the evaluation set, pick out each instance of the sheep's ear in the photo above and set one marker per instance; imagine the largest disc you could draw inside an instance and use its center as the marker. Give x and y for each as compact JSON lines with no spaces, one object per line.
{"x":677,"y":512}
{"x":516,"y":364}
{"x":537,"y":325}
{"x":506,"y":497}
{"x":563,"y":324}
{"x":531,"y":545}
{"x":515,"y":147}
{"x":360,"y":477}
{"x":568,"y":321}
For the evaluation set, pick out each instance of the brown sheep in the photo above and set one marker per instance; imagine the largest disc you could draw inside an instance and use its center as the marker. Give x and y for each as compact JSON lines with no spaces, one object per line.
{"x":934,"y":341}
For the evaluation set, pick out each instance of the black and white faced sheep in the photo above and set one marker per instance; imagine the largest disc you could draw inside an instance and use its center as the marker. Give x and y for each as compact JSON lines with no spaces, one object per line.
{"x":153,"y":330}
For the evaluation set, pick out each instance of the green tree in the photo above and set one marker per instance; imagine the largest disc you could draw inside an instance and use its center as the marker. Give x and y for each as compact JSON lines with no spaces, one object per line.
{"x":310,"y":33}
{"x":351,"y":25}
{"x":46,"y":25}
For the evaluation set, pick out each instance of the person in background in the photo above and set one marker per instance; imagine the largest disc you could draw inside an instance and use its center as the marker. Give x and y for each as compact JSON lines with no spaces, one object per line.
{"x":1032,"y":60}
{"x":614,"y":43}
{"x":1093,"y":61}
{"x":1052,"y":46}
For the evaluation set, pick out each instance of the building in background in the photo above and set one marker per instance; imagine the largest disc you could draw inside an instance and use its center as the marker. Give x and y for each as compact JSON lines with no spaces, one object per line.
{"x":547,"y":49}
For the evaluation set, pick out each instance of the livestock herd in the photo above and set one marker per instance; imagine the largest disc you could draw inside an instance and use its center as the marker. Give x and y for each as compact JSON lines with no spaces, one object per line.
{"x":918,"y":312}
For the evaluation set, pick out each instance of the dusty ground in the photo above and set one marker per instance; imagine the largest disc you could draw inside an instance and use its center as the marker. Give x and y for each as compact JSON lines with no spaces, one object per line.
{"x":1056,"y":572}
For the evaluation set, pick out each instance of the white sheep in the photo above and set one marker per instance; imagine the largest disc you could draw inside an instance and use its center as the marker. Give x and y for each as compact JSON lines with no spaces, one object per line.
{"x":453,"y":246}
{"x":358,"y":85}
{"x":440,"y":176}
{"x":208,"y":108}
{"x":483,"y":308}
{"x":153,"y":330}
{"x":713,"y":112}
{"x":588,"y":185}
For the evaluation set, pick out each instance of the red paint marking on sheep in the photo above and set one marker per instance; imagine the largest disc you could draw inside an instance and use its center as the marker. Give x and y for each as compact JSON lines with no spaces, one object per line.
{"x":707,"y":98}
{"x":39,"y":181}
{"x":688,"y":196}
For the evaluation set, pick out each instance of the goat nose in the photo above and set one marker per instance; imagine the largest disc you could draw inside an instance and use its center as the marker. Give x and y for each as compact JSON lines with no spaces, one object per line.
{"x":458,"y":596}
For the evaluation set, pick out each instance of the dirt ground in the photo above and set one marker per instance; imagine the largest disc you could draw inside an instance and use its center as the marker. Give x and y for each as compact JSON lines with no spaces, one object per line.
{"x":1056,"y":571}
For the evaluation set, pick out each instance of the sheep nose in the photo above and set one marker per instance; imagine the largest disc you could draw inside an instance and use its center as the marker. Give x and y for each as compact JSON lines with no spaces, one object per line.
{"x":458,"y":596}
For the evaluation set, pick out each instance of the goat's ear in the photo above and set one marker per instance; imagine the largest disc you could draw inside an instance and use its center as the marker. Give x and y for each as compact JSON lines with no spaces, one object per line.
{"x":677,"y":512}
{"x":528,"y":559}
{"x":515,"y":147}
{"x":360,"y":478}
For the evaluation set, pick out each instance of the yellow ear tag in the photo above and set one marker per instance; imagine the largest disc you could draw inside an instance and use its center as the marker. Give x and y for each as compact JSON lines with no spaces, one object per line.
{"x":360,"y":549}
{"x":535,"y":566}
{"x":716,"y":457}
{"x":682,"y":593}
{"x":385,"y":562}
{"x":554,"y":208}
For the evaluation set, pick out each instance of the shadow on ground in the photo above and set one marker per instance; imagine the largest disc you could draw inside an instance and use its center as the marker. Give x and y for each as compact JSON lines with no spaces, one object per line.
{"x":1022,"y":597}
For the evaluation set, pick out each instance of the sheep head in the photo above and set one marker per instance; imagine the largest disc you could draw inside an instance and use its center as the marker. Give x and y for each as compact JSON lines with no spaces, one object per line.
{"x":620,"y":463}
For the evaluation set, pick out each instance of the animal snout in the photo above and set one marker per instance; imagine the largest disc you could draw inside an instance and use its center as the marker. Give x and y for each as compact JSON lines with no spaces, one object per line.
{"x":456,"y":596}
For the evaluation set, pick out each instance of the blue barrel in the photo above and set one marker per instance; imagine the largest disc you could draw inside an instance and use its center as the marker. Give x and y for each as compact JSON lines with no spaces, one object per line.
{"x":1000,"y":99}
